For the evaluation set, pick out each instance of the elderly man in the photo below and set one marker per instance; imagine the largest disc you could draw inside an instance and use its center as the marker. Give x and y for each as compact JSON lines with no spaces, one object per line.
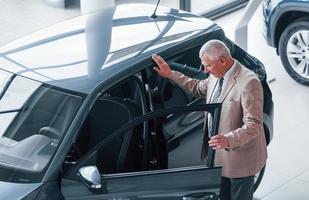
{"x":240,"y":142}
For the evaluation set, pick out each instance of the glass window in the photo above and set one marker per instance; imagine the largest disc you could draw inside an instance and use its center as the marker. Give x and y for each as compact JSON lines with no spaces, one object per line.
{"x":118,"y":106}
{"x":203,"y":6}
{"x":17,"y":93}
{"x":5,"y":120}
{"x":4,"y":78}
{"x":170,"y":3}
{"x":184,"y":135}
{"x":212,"y":9}
{"x":33,"y":119}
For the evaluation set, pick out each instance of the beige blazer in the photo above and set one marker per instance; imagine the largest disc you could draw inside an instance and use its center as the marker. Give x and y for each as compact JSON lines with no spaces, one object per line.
{"x":241,"y":119}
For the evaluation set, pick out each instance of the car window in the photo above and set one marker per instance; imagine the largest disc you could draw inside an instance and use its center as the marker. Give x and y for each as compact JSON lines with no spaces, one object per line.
{"x":18,"y":92}
{"x":112,"y":157}
{"x":33,"y":119}
{"x":117,"y":106}
{"x":163,"y":93}
{"x":183,"y":132}
{"x":4,"y":79}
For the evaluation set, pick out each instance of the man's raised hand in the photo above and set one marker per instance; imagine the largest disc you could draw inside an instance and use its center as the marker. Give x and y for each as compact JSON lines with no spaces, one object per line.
{"x":162,"y":67}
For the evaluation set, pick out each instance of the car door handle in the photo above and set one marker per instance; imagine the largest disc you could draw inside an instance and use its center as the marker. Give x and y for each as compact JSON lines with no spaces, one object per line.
{"x":201,"y":196}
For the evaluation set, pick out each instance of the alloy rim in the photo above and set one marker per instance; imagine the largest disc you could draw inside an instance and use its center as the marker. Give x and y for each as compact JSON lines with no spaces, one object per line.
{"x":298,"y":52}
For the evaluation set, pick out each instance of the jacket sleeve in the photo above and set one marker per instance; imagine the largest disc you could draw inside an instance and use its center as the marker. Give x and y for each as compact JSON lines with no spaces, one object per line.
{"x":252,"y":108}
{"x":197,"y":88}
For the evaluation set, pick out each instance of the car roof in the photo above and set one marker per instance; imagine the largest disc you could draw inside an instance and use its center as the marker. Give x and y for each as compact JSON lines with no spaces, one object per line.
{"x":80,"y":53}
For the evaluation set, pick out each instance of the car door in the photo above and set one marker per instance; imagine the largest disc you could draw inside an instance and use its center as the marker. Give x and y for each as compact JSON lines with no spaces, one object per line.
{"x":200,"y":181}
{"x":164,"y":94}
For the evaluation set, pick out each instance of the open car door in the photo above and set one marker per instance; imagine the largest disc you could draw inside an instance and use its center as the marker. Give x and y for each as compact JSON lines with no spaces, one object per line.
{"x":173,"y":182}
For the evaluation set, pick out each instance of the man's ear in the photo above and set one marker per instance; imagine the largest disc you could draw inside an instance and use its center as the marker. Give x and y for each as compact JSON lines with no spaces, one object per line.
{"x":222,"y":60}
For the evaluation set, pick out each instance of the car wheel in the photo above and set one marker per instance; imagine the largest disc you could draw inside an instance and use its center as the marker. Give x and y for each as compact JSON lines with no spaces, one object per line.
{"x":294,"y":50}
{"x":258,"y":178}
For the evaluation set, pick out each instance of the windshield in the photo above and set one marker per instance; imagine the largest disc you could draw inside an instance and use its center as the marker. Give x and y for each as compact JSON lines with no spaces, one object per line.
{"x":33,"y":119}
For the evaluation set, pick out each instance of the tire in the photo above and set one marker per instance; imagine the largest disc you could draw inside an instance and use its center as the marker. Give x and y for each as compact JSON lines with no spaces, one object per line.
{"x":258,"y":178}
{"x":294,"y":50}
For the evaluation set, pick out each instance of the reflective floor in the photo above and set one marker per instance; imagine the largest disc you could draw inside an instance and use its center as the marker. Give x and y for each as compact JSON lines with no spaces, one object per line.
{"x":287,"y":173}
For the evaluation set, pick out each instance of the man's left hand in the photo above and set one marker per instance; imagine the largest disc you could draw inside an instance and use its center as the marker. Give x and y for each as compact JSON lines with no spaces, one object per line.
{"x":218,"y":142}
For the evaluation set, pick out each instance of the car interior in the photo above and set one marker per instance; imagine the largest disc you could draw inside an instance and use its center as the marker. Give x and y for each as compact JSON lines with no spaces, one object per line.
{"x":35,"y":132}
{"x":111,"y":111}
{"x":124,"y":102}
{"x":36,"y":116}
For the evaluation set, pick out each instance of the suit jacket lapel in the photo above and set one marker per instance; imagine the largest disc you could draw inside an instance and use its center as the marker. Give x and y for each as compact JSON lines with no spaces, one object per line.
{"x":211,"y":87}
{"x":230,"y":82}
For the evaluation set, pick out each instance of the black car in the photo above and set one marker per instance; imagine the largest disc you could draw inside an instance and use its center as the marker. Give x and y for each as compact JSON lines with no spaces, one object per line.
{"x":84,"y":116}
{"x":286,"y":27}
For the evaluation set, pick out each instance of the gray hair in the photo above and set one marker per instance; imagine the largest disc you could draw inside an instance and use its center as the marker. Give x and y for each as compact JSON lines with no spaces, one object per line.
{"x":214,"y":50}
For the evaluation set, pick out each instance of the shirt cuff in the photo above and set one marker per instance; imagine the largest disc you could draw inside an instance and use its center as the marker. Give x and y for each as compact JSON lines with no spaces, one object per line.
{"x":233,"y":144}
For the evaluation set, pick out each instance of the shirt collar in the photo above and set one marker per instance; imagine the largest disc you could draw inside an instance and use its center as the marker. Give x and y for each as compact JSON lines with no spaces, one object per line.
{"x":229,"y":71}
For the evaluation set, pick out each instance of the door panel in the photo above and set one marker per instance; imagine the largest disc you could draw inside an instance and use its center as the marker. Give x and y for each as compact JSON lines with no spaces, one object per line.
{"x":178,"y":125}
{"x":184,"y":134}
{"x":173,"y":183}
{"x":186,"y":150}
{"x":161,"y":184}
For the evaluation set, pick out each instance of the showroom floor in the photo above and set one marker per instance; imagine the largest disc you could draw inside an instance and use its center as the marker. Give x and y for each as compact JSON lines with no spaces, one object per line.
{"x":287,"y":173}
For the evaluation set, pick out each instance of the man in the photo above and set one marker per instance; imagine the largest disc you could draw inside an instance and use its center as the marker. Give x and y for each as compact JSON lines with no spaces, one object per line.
{"x":240,"y":142}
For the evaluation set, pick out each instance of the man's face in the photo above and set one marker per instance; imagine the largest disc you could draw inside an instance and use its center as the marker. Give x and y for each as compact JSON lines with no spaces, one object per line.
{"x":215,"y":67}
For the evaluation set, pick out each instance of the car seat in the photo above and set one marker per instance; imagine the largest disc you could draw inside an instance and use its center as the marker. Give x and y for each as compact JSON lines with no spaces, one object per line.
{"x":122,"y":152}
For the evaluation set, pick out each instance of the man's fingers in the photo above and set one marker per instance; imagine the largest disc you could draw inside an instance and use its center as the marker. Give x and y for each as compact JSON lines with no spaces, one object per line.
{"x":159,"y":60}
{"x":214,"y":143}
{"x":216,"y":136}
{"x":162,"y":67}
{"x":159,"y":64}
{"x":218,"y":142}
{"x":157,"y":69}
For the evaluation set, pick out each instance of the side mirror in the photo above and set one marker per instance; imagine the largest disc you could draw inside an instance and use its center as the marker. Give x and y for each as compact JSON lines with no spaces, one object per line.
{"x":91,"y":177}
